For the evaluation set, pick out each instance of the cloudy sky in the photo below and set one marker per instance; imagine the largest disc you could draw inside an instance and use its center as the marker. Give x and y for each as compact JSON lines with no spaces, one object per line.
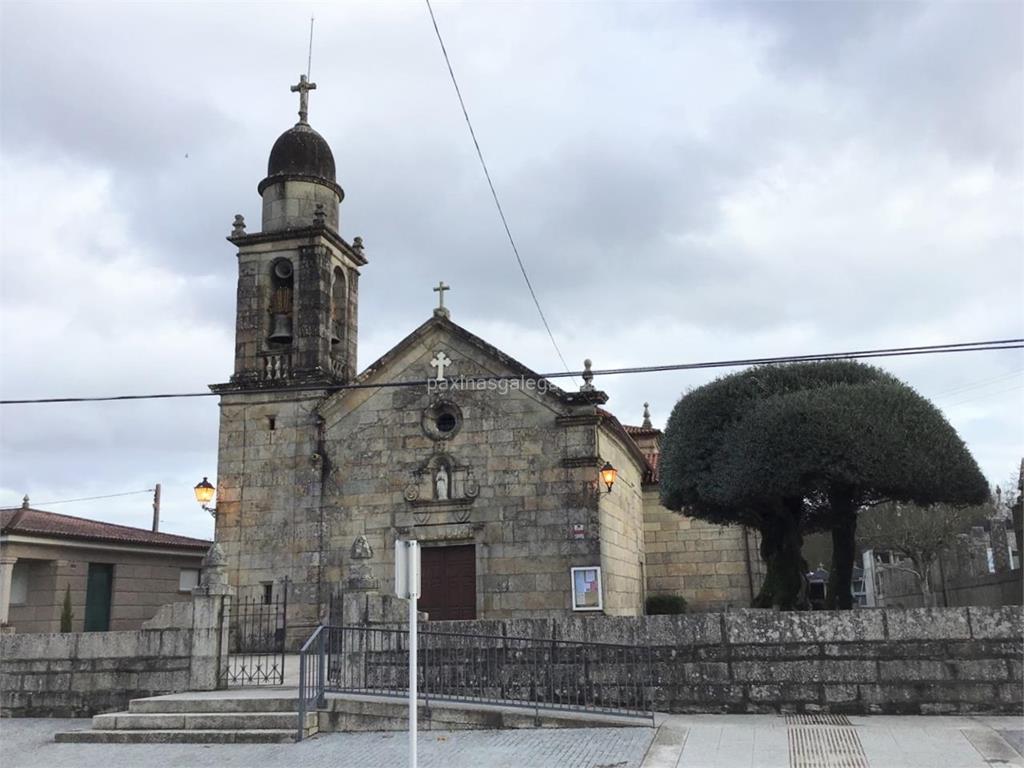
{"x":685,"y":181}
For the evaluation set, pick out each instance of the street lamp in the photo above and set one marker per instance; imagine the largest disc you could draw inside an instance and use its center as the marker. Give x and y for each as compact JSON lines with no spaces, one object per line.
{"x":204,"y":494}
{"x":608,"y":475}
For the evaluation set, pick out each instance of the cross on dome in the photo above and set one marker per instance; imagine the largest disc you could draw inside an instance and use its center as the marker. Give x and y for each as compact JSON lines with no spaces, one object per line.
{"x":303,"y":88}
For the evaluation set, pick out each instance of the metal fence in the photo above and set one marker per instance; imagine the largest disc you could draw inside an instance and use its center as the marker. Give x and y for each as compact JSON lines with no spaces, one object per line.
{"x":312,"y":675}
{"x":490,"y":669}
{"x":256,"y":641}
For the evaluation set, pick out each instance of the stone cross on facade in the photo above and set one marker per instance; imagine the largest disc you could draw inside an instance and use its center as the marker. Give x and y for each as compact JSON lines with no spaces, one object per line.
{"x":440,"y":361}
{"x":303,"y":88}
{"x":441,"y":310}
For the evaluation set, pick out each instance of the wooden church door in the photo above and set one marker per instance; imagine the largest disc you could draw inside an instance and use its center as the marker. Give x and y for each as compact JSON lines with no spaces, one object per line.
{"x":448,"y":582}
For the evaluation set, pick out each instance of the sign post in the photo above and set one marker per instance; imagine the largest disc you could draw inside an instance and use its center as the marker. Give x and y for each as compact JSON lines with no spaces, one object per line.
{"x":407,"y":587}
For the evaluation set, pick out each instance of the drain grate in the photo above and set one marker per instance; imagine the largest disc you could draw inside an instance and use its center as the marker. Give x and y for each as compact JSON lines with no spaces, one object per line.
{"x":825,"y":746}
{"x":817,"y":720}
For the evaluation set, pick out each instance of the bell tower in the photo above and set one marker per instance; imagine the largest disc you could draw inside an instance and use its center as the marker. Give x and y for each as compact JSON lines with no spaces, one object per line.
{"x":296,"y":317}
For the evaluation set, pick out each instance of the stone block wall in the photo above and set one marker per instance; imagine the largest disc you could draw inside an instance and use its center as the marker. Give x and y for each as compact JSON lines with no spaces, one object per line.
{"x":622,"y":535}
{"x":887,"y":661}
{"x":82,"y":674}
{"x":707,"y":564}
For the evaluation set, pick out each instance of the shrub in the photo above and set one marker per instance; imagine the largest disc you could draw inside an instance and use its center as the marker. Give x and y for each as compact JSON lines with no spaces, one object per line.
{"x":662,"y":604}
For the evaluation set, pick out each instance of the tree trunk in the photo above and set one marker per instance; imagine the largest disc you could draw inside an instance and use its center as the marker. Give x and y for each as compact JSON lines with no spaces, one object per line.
{"x":843,"y":511}
{"x":785,"y":581}
{"x":844,"y":554}
{"x":923,"y":567}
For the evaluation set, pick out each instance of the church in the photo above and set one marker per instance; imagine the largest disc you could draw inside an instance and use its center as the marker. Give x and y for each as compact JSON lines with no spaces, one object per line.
{"x":528,"y":500}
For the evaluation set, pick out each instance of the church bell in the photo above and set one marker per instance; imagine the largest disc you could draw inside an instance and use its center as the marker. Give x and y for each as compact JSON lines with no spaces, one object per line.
{"x":281,"y":328}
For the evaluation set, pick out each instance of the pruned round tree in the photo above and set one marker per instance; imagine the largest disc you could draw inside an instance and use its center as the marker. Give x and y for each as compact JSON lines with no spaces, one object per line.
{"x":804,"y":446}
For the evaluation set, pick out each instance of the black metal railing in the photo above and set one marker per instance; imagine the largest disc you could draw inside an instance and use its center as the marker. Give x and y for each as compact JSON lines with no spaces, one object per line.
{"x":458,"y":666}
{"x":312,"y":675}
{"x":256,"y":641}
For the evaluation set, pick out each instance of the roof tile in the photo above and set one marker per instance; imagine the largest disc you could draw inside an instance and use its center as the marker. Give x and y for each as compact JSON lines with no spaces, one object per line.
{"x":52,"y":524}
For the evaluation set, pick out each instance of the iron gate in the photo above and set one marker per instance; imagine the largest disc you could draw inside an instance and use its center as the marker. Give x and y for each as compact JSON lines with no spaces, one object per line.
{"x":256,"y":640}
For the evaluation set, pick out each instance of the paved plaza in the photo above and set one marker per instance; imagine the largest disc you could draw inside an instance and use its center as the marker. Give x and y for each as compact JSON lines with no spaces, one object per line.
{"x":700,"y":741}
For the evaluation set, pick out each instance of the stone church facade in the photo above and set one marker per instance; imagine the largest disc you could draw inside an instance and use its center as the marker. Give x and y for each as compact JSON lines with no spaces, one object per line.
{"x":444,"y":439}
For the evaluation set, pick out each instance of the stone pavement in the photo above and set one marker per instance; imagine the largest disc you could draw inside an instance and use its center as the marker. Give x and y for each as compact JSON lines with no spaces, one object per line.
{"x":681,"y":741}
{"x":28,"y":743}
{"x":831,"y":741}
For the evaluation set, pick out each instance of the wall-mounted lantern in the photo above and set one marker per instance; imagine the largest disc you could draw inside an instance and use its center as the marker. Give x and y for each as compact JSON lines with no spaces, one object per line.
{"x":204,"y":495}
{"x":608,"y":475}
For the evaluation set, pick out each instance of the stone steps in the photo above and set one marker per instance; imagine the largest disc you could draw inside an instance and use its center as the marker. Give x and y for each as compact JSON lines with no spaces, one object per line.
{"x":167,"y":704}
{"x":200,"y":721}
{"x":253,"y":736}
{"x":242,"y":719}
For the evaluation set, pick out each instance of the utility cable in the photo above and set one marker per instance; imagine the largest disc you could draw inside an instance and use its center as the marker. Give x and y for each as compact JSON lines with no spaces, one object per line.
{"x":494,"y":194}
{"x":94,"y":498}
{"x":933,"y":349}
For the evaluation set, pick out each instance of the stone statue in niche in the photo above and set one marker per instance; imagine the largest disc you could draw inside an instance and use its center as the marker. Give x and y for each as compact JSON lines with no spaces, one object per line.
{"x":442,"y":483}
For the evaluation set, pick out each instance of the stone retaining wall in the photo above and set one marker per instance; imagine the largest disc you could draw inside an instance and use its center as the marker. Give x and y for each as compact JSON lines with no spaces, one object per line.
{"x":892,"y":661}
{"x":82,"y":674}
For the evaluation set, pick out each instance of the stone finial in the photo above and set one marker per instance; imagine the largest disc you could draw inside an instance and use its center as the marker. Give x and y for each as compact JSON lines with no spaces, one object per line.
{"x":361,"y":549}
{"x":319,"y":215}
{"x":214,"y":577}
{"x":647,"y":416}
{"x":24,"y":502}
{"x":357,"y":244}
{"x":238,"y":226}
{"x":214,"y":557}
{"x":588,"y":377}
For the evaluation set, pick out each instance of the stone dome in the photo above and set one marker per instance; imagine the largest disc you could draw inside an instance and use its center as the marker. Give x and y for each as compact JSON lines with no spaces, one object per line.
{"x":301,"y":151}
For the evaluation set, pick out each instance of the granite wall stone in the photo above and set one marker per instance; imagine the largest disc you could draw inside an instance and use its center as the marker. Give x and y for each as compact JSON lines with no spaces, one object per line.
{"x":886,"y":661}
{"x":78,"y":674}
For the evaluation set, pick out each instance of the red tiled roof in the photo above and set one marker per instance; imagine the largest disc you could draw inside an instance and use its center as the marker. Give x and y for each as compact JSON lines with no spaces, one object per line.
{"x":641,"y":431}
{"x":54,"y":525}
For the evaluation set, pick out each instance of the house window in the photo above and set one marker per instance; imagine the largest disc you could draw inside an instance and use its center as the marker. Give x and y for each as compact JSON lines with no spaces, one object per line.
{"x":19,"y":583}
{"x":188,"y":579}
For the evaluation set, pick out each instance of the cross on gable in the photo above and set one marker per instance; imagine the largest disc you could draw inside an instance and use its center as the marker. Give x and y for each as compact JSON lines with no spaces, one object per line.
{"x":441,"y":288}
{"x":440,"y":362}
{"x":441,"y":310}
{"x":303,"y":87}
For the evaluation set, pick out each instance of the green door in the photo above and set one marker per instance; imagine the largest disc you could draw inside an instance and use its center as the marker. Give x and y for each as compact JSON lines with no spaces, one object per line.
{"x":97,"y":597}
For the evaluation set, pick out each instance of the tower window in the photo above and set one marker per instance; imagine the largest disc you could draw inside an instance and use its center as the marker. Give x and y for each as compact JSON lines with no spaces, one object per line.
{"x":446,"y":422}
{"x":282,"y":283}
{"x":271,"y":423}
{"x":338,"y":307}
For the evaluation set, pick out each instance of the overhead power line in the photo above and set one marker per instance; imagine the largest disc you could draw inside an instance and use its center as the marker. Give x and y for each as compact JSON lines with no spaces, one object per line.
{"x":494,"y":193}
{"x":94,"y":498}
{"x":933,"y":349}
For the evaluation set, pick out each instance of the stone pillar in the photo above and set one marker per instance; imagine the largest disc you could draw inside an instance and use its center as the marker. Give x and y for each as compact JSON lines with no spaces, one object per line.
{"x":1000,"y":546}
{"x":6,"y":576}
{"x":211,"y":602}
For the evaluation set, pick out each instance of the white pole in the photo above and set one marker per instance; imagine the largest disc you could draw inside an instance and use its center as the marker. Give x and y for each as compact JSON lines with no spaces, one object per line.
{"x":412,"y":678}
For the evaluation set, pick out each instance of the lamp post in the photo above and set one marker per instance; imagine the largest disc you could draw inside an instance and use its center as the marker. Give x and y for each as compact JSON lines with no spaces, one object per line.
{"x":204,"y":495}
{"x":608,"y":475}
